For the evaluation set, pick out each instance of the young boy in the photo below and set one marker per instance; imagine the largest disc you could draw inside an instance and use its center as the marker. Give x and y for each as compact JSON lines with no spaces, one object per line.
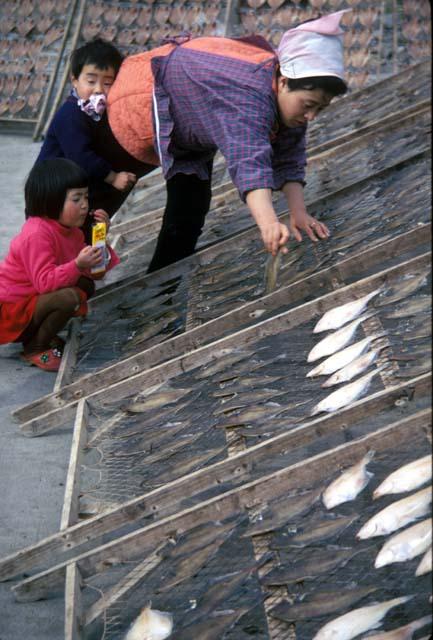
{"x":79,"y":131}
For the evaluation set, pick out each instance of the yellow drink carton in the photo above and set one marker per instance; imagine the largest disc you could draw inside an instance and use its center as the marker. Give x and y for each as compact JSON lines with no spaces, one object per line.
{"x":99,"y":239}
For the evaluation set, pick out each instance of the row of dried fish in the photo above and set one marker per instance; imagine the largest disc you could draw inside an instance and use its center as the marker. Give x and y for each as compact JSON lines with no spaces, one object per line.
{"x":346,"y":362}
{"x":321,"y":529}
{"x":410,"y":543}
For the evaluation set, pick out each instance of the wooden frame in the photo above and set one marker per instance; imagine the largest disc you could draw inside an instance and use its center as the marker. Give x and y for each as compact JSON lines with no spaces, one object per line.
{"x":44,"y":584}
{"x":163,"y":502}
{"x":172,"y":350}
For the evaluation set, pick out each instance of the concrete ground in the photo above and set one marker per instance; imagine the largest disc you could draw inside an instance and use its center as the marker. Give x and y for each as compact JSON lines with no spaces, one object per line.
{"x":32,"y":470}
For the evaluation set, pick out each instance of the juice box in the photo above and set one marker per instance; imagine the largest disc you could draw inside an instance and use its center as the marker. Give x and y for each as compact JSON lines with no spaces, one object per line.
{"x":99,"y":239}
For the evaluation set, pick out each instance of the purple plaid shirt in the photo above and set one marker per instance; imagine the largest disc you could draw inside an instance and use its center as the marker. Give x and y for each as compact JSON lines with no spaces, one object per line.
{"x":208,"y":102}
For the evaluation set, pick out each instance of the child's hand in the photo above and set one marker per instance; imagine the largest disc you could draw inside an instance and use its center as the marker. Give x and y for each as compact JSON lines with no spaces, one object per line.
{"x":100,"y":215}
{"x":88,"y":257}
{"x":124,"y":180}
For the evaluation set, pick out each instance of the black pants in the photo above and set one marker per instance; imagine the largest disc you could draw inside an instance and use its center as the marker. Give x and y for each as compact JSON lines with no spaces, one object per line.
{"x":101,"y":194}
{"x":188,"y":201}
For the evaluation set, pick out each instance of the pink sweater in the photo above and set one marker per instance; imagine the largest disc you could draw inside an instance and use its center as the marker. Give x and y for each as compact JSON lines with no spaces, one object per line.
{"x":41,"y":259}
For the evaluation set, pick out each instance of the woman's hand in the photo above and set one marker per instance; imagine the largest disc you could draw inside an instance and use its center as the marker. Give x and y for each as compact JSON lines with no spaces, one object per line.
{"x":302,"y":221}
{"x":274,"y":233}
{"x":88,"y":257}
{"x":275,"y":236}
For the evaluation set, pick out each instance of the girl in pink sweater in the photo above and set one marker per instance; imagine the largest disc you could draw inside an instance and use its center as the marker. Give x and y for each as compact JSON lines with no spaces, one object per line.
{"x":45,"y":278}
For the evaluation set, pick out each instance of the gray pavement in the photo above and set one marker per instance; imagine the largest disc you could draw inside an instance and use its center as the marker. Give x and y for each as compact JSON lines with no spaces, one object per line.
{"x":32,"y":470}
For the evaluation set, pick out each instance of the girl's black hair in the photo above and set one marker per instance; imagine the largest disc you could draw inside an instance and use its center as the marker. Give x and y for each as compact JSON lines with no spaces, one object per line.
{"x":98,"y":52}
{"x":329,"y":84}
{"x":47,"y":184}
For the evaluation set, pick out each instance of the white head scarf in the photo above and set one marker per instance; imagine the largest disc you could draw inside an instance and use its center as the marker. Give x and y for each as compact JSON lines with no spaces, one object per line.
{"x":314,"y":48}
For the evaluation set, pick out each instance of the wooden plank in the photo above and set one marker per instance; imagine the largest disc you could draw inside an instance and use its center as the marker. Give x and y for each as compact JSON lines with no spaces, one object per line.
{"x":393,"y":122}
{"x":73,"y":604}
{"x":55,"y":409}
{"x":232,"y":502}
{"x":357,"y":108}
{"x":164,"y":500}
{"x":72,"y":488}
{"x":69,"y":357}
{"x":353,"y":136}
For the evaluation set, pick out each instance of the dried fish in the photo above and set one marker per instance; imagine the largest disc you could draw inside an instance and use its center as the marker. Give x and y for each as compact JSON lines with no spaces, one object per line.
{"x":402,"y":633}
{"x":252,"y":414}
{"x":317,"y":562}
{"x":212,"y":628}
{"x":425,"y":566}
{"x":347,"y":394}
{"x":198,"y":537}
{"x":172,"y":449}
{"x":338,"y":316}
{"x":245,"y":399}
{"x":138,"y":338}
{"x":411,"y":307}
{"x":253,"y":382}
{"x":349,"y":484}
{"x":281,"y":511}
{"x":407,"y":285}
{"x":224,"y":297}
{"x":354,"y":368}
{"x":188,"y":565}
{"x":406,"y":545}
{"x":156,"y":400}
{"x":421,"y":330}
{"x":352,"y":240}
{"x":342,"y":358}
{"x":249,"y":382}
{"x":181,"y":469}
{"x":406,"y":478}
{"x":321,"y":603}
{"x":151,"y":624}
{"x":271,"y":272}
{"x":423,"y":366}
{"x":337,"y":340}
{"x":223,"y":588}
{"x":358,"y":621}
{"x":397,"y":515}
{"x":222,"y":362}
{"x":313,"y":531}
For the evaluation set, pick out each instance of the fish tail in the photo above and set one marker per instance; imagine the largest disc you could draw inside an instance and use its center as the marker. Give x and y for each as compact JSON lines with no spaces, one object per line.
{"x":382,"y":290}
{"x":367,"y":315}
{"x":369,"y":456}
{"x":402,"y":600}
{"x":315,"y":410}
{"x":379,"y":334}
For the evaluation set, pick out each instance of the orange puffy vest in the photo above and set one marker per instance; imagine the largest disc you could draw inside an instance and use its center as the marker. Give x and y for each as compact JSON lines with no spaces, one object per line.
{"x":129,"y":102}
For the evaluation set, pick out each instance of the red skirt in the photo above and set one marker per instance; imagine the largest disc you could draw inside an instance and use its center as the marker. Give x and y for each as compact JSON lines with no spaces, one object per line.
{"x":15,"y":317}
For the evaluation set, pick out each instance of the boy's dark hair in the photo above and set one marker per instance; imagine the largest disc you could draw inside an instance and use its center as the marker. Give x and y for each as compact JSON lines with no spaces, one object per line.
{"x":47,"y":184}
{"x":329,"y":84}
{"x":98,"y":52}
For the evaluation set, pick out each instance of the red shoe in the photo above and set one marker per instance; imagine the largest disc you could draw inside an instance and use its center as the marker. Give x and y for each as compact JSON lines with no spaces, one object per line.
{"x":58,"y":343}
{"x":47,"y":360}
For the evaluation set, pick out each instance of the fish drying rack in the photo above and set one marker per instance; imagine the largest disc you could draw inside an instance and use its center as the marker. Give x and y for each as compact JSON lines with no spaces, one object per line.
{"x":191,"y":411}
